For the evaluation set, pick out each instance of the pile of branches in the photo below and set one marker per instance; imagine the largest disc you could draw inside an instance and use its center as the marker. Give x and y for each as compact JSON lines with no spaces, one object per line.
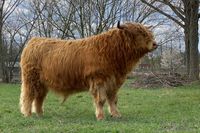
{"x":154,"y":80}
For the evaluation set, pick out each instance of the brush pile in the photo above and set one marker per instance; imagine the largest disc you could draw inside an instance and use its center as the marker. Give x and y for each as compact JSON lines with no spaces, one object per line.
{"x":154,"y":80}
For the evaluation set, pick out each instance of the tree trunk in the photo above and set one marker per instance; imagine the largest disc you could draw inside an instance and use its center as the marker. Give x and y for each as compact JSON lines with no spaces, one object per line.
{"x":1,"y":41}
{"x":193,"y":37}
{"x":187,"y":11}
{"x":1,"y":53}
{"x":187,"y":49}
{"x":190,"y":19}
{"x":3,"y":69}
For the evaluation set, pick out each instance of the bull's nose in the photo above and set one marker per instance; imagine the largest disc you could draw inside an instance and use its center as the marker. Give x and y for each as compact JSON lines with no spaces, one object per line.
{"x":155,"y":45}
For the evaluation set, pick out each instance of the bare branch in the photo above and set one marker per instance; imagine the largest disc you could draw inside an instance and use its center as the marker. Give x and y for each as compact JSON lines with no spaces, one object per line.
{"x":174,"y":9}
{"x":163,"y":13}
{"x":10,"y":10}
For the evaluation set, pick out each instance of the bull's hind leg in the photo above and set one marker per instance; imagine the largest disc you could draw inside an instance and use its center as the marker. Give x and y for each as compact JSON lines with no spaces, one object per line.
{"x":26,"y":99}
{"x":112,"y":103}
{"x":29,"y":90}
{"x":99,"y":96}
{"x":39,"y":99}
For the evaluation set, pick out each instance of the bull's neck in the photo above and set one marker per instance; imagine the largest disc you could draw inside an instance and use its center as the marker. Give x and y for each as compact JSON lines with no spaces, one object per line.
{"x":125,"y":55}
{"x":127,"y":60}
{"x":119,"y":51}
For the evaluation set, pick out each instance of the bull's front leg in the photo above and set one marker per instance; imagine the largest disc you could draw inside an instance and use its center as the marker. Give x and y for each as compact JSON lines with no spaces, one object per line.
{"x":112,"y":104}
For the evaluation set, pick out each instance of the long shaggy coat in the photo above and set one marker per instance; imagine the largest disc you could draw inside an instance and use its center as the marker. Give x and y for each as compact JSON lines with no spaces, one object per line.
{"x":98,"y":64}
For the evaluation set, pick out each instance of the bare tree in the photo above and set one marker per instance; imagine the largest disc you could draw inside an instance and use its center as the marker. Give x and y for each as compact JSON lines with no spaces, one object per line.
{"x":15,"y":41}
{"x":187,"y":17}
{"x":63,"y":19}
{"x":17,"y":30}
{"x":5,"y":12}
{"x":136,"y":11}
{"x":93,"y":17}
{"x":78,"y":19}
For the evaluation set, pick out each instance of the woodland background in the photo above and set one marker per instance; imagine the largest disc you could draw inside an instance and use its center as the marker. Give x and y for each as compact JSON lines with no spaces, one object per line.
{"x":175,"y":25}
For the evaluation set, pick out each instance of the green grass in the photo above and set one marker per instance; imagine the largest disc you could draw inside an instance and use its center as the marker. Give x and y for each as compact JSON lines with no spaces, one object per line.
{"x":143,"y":111}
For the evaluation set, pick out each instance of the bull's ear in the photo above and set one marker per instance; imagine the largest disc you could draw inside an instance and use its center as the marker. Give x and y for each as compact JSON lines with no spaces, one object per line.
{"x":119,"y":26}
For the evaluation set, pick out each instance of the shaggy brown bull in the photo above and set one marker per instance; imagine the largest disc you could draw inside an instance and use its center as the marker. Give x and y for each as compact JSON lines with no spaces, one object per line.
{"x":98,"y":64}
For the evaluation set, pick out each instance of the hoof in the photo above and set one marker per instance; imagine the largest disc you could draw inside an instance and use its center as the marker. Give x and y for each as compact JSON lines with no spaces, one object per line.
{"x":100,"y":117}
{"x":39,"y":114}
{"x":116,"y":115}
{"x":27,"y":114}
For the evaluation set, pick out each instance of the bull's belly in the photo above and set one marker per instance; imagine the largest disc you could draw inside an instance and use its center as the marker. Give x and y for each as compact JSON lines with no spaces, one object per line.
{"x":64,"y":85}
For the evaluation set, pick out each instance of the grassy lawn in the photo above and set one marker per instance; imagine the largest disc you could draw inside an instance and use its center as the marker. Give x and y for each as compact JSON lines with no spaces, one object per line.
{"x":143,"y":111}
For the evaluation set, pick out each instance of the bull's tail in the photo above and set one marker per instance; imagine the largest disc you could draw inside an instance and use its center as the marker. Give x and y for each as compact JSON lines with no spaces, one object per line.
{"x":26,"y":98}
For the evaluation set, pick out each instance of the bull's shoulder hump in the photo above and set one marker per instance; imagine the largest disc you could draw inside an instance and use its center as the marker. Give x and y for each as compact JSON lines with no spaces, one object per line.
{"x":42,"y":40}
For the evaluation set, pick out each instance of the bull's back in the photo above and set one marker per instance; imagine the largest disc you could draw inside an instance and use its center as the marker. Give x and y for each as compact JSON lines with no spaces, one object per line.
{"x":59,"y":63}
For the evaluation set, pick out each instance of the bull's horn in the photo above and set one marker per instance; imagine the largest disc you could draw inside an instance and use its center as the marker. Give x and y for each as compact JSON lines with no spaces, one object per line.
{"x":118,"y":25}
{"x":149,"y":26}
